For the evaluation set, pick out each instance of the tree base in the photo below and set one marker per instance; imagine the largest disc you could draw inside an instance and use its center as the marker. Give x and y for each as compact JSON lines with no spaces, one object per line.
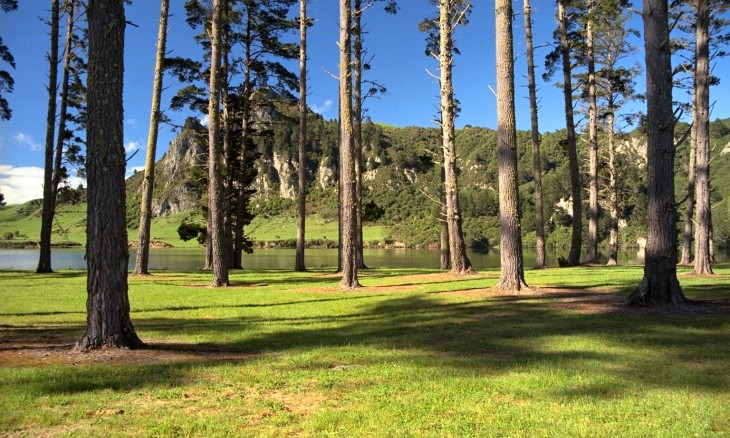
{"x":128,"y":341}
{"x":664,"y":294}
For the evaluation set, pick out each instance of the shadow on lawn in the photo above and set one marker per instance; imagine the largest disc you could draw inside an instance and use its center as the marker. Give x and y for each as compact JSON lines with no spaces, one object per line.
{"x":486,"y":337}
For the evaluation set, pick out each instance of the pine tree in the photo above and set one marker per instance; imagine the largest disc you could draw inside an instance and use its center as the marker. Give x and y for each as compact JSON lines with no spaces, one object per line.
{"x":512,"y":277}
{"x":142,"y":260}
{"x":660,"y":286}
{"x":108,"y":323}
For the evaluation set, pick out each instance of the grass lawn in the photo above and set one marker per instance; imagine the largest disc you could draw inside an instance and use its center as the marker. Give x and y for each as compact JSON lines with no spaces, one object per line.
{"x":412,"y":353}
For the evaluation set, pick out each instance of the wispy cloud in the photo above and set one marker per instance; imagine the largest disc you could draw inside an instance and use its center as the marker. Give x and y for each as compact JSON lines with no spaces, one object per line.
{"x":204,"y":120}
{"x":131,"y":146}
{"x":22,"y":184}
{"x":131,"y":122}
{"x":326,"y":106}
{"x":26,"y":140}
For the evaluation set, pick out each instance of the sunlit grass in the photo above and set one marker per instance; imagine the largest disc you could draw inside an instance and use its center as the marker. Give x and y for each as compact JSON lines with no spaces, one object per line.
{"x":415,"y":352}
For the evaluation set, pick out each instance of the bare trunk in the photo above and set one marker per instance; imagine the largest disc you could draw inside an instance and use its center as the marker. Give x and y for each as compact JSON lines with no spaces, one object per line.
{"x":660,"y":286}
{"x":576,"y":236}
{"x":512,"y":277}
{"x":107,"y":320}
{"x":44,"y":259}
{"x":535,"y":140}
{"x":302,"y":200}
{"x":592,"y":244}
{"x":703,"y":264}
{"x":689,"y":214}
{"x":215,"y":183}
{"x":357,"y":128}
{"x":143,"y":251}
{"x":613,"y":192}
{"x":445,"y":259}
{"x":347,"y":171}
{"x":246,"y":143}
{"x":460,"y":263}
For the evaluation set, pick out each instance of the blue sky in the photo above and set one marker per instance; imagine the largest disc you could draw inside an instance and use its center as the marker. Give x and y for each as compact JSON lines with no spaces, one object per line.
{"x":399,"y":63}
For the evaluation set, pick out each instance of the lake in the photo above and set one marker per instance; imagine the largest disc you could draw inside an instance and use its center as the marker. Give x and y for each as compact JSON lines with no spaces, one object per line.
{"x":190,"y":259}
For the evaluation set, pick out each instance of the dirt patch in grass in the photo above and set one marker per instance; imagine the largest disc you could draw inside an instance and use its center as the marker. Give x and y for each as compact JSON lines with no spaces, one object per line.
{"x":30,"y":353}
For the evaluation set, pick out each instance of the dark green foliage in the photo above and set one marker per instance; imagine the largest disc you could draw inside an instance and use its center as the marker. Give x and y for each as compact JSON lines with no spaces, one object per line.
{"x":190,"y":228}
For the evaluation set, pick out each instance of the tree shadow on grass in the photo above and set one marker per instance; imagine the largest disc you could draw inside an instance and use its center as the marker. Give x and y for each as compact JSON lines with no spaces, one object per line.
{"x":466,"y":336}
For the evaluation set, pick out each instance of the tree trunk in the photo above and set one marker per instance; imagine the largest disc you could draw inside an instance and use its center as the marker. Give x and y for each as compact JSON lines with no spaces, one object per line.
{"x":535,"y":140}
{"x":357,"y":127}
{"x":660,"y":286}
{"x":702,"y":131}
{"x":302,"y":200}
{"x":576,"y":237}
{"x":347,"y":171}
{"x":613,"y":191}
{"x":107,"y":307}
{"x":445,"y":259}
{"x":686,"y":258}
{"x":63,"y":110}
{"x":592,"y":244}
{"x":460,"y":263}
{"x":246,"y":146}
{"x":44,"y":259}
{"x":215,"y":183}
{"x":143,"y":251}
{"x":512,"y":277}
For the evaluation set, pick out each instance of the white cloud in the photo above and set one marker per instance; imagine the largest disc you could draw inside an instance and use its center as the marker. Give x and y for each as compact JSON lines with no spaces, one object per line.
{"x":326,"y":106}
{"x":131,"y":122}
{"x":131,"y":146}
{"x":22,"y":184}
{"x":204,"y":120}
{"x":27,"y":140}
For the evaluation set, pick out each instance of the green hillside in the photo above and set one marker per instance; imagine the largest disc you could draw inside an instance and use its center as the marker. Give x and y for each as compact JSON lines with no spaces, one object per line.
{"x":401,"y":178}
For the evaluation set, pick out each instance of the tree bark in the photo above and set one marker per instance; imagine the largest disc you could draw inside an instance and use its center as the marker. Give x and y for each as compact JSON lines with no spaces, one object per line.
{"x":347,"y":170}
{"x":143,"y":251}
{"x":592,"y":244}
{"x":660,"y":286}
{"x":107,"y":321}
{"x":445,"y":254}
{"x":575,"y":189}
{"x":535,"y":140}
{"x":215,"y":183}
{"x":246,"y":145}
{"x":357,"y":102}
{"x":687,"y":237}
{"x":512,"y":277}
{"x":701,"y":117}
{"x":613,"y":191}
{"x":460,"y":263}
{"x":302,"y":200}
{"x":44,"y":259}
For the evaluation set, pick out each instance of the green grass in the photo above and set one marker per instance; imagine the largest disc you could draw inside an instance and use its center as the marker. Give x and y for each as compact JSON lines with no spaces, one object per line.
{"x":70,"y":226}
{"x":412,"y":353}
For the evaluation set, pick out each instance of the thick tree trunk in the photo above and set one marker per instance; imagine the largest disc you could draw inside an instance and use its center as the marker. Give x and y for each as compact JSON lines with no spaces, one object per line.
{"x":460,"y":263}
{"x":302,"y":200}
{"x":660,"y":286}
{"x":535,"y":140}
{"x":702,"y":131}
{"x":592,"y":244}
{"x":145,"y":217}
{"x":215,"y":183}
{"x":44,"y":259}
{"x":512,"y":277}
{"x":575,"y":189}
{"x":107,"y":321}
{"x":613,"y":191}
{"x":347,"y":171}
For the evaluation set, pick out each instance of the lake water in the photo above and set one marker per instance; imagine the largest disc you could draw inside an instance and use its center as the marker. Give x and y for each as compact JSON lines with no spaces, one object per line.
{"x":190,"y":259}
